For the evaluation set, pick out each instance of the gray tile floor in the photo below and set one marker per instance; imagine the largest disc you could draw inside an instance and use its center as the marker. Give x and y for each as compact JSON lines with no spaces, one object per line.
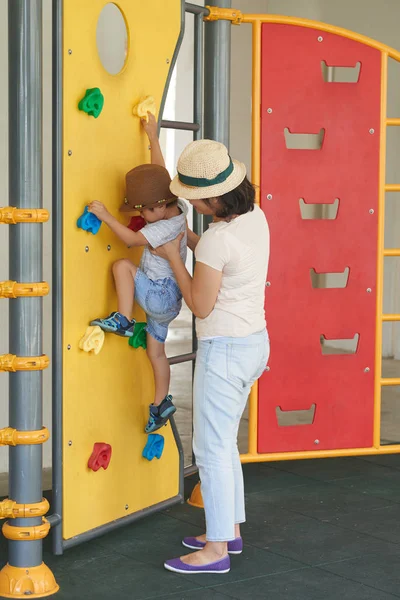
{"x":315,"y":529}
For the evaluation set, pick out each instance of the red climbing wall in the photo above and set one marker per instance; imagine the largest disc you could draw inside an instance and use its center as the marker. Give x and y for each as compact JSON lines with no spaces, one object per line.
{"x":295,"y":96}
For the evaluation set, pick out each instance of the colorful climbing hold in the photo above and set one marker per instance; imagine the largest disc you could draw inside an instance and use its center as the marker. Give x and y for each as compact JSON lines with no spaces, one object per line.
{"x":89,"y":222}
{"x":146,"y":105}
{"x":100,"y":457}
{"x":154,"y":447}
{"x":136,"y":223}
{"x":139,"y":337}
{"x":93,"y":339}
{"x":92,"y":103}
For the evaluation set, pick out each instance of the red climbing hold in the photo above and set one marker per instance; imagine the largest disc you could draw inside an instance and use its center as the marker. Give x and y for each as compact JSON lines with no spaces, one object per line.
{"x":136,"y":223}
{"x":100,"y":456}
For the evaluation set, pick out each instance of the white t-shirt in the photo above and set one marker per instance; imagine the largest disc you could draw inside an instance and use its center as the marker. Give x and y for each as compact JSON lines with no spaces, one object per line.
{"x":240,"y":249}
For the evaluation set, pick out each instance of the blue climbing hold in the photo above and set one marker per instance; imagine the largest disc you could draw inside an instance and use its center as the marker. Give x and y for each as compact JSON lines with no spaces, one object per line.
{"x":89,"y":222}
{"x":154,"y":446}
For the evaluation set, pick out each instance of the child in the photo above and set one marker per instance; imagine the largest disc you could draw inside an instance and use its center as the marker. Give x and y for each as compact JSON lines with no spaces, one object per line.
{"x":152,"y":284}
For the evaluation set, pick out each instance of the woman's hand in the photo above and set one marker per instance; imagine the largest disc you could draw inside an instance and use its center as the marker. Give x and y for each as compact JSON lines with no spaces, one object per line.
{"x":98,"y":209}
{"x":150,"y":126}
{"x":170,"y":250}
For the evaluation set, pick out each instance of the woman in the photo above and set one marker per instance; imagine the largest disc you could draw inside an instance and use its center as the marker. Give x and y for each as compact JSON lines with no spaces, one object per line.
{"x":226,"y":294}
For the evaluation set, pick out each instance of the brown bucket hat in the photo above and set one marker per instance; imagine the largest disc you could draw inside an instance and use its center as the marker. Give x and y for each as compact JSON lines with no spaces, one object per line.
{"x":147,"y":186}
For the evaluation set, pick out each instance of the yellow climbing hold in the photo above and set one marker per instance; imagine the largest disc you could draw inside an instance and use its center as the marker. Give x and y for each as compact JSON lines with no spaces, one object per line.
{"x":93,"y":340}
{"x":146,"y":105}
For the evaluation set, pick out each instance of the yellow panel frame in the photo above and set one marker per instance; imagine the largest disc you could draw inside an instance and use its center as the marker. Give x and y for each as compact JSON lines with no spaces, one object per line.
{"x":106,"y":397}
{"x":256,"y":21}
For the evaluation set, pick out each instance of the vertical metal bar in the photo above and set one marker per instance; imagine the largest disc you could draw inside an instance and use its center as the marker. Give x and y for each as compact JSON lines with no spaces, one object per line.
{"x":57,"y":244}
{"x":217,"y":78}
{"x":198,"y":98}
{"x":25,"y":244}
{"x":380,"y":253}
{"x":198,"y":93}
{"x":256,"y":179}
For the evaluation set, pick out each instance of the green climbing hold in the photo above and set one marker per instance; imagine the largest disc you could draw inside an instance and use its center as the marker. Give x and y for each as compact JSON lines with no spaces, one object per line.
{"x":92,"y":103}
{"x":138,"y":339}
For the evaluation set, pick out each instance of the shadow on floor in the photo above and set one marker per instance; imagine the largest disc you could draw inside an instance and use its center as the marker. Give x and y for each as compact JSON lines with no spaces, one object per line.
{"x":316,"y":529}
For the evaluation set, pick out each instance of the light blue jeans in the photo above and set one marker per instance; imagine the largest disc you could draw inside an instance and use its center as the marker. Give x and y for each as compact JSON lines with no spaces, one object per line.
{"x":226,"y":368}
{"x":161,"y":300}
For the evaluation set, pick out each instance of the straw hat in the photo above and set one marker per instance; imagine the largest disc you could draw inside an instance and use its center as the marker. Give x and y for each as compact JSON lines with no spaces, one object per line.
{"x":205,"y":170}
{"x":147,"y":186}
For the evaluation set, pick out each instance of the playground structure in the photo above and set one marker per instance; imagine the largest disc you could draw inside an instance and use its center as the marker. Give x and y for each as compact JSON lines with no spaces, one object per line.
{"x":98,"y":437}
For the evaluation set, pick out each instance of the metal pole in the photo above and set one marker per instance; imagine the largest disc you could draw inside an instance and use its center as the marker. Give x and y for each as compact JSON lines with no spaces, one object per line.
{"x":57,"y":246}
{"x":198,"y":108}
{"x":25,"y":246}
{"x":198,"y":93}
{"x":217,"y":81}
{"x":26,"y":254}
{"x":217,"y":77}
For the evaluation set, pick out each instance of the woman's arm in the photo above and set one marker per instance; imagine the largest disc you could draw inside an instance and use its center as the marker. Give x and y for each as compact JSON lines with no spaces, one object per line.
{"x":150,"y":128}
{"x":192,"y":239}
{"x":130,"y":238}
{"x":200,"y":292}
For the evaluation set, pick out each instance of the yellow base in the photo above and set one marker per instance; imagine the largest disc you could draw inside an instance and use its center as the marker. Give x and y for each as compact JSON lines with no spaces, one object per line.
{"x":19,"y":582}
{"x":196,"y":499}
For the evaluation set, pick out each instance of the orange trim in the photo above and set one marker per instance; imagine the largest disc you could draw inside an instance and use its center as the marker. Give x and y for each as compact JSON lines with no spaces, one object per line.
{"x":283,"y":20}
{"x":11,"y":215}
{"x":9,"y":509}
{"x":227,"y":14}
{"x":19,"y":534}
{"x":13,"y":437}
{"x":12,"y":363}
{"x":12,"y":289}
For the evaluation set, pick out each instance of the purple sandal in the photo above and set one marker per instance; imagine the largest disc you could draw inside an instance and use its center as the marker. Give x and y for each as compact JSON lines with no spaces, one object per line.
{"x":177,"y":566}
{"x":234,"y":547}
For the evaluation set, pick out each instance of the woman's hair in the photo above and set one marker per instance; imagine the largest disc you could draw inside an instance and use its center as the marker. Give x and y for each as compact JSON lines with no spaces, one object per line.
{"x":236,"y":202}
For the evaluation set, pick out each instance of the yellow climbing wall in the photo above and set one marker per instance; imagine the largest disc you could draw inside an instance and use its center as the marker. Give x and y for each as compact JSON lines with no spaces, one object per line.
{"x":106,"y":397}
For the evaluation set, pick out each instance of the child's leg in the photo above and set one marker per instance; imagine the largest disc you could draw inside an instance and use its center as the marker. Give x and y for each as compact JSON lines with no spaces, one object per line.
{"x":124,"y":272}
{"x":161,"y":368}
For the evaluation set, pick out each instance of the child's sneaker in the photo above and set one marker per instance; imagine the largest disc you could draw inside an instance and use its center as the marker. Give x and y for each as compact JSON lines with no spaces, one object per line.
{"x":160,"y":414}
{"x":116,"y":323}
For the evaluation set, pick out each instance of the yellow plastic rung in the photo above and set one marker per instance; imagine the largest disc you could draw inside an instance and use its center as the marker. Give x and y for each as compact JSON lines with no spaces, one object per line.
{"x":389,"y":317}
{"x":390,"y":381}
{"x":12,"y":289}
{"x":11,"y":215}
{"x":391,"y":252}
{"x":9,"y":509}
{"x":14,"y":437}
{"x":227,"y":14}
{"x":393,"y":122}
{"x":392,"y":187}
{"x":12,"y":363}
{"x":37,"y":532}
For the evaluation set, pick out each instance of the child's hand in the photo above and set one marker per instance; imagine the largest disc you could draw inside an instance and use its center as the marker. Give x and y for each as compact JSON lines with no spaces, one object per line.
{"x":150,"y":127}
{"x":98,"y":209}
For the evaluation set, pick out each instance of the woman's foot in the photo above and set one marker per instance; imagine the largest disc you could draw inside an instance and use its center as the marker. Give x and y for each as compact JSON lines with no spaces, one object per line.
{"x":213,"y":558}
{"x":197,"y":543}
